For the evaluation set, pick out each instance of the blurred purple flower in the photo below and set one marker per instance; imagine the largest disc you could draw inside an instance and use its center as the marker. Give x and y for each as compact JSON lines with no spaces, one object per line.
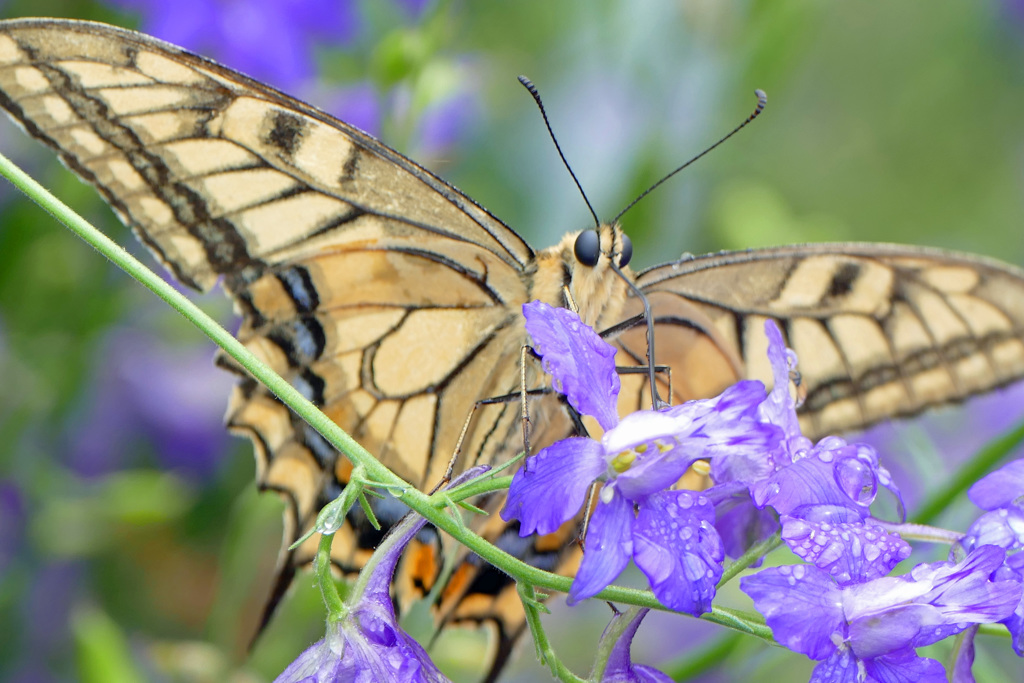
{"x":447,"y":122}
{"x":357,"y":105}
{"x":999,"y":489}
{"x":48,"y":605}
{"x":271,"y":41}
{"x":668,"y":534}
{"x":144,"y":390}
{"x":414,"y":8}
{"x":12,"y":523}
{"x":1015,"y":9}
{"x":872,"y":629}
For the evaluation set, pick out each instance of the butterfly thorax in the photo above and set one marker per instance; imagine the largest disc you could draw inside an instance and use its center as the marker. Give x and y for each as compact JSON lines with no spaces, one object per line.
{"x":596,"y":290}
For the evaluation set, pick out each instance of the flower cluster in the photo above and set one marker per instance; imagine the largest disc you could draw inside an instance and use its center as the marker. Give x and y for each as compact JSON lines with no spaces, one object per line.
{"x":669,"y":534}
{"x":272,"y":41}
{"x":842,"y":607}
{"x":870,"y":629}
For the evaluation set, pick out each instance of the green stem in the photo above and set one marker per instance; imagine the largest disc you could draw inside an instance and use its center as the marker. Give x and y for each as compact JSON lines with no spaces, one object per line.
{"x":325,"y":579}
{"x":430,"y":507}
{"x":755,"y":553}
{"x":545,"y":652}
{"x":479,"y":486}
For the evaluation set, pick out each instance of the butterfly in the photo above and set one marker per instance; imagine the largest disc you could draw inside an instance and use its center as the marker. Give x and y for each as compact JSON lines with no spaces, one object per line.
{"x":393,"y":301}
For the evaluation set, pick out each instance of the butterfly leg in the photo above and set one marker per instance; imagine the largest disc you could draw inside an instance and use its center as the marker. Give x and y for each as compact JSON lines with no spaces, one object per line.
{"x":656,"y":401}
{"x":524,"y":409}
{"x":507,"y":398}
{"x":643,"y":370}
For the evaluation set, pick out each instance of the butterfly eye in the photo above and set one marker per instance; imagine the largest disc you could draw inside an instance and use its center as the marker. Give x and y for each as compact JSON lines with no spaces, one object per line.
{"x":626,"y":252}
{"x":588,"y":247}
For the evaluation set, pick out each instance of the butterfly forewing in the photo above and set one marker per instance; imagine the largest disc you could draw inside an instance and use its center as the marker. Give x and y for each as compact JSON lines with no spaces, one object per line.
{"x":386,"y":296}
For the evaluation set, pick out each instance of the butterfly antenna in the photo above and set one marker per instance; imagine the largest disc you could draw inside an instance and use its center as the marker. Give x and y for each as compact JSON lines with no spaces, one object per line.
{"x":528,"y":84}
{"x":762,"y":102}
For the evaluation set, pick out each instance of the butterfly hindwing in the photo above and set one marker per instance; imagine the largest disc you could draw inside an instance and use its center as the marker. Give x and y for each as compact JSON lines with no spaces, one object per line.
{"x":880,"y":330}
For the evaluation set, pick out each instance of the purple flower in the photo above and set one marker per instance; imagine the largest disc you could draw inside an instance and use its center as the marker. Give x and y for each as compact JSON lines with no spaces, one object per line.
{"x":272,"y":40}
{"x":447,"y":121}
{"x":12,"y":523}
{"x":365,"y":643}
{"x":358,"y":105}
{"x":619,"y":667}
{"x":183,"y":420}
{"x":870,"y":630}
{"x":822,"y":492}
{"x":670,"y":535}
{"x":999,"y":489}
{"x":414,"y":8}
{"x":1001,"y":493}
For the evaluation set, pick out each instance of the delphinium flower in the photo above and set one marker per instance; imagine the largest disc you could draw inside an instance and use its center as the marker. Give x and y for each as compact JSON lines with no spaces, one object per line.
{"x":822,"y":492}
{"x":12,"y":523}
{"x":272,"y":40}
{"x":618,"y":639}
{"x":276,"y":41}
{"x":364,"y":644}
{"x":181,"y":421}
{"x":669,"y":534}
{"x":1001,"y":493}
{"x":868,"y":631}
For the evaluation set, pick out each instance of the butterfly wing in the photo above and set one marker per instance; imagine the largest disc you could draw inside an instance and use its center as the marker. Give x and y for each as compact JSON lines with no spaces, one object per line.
{"x":880,"y":330}
{"x":386,"y":296}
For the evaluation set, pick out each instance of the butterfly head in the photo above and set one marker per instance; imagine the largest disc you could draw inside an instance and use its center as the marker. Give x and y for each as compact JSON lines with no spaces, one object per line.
{"x":582,"y":261}
{"x":588,"y":247}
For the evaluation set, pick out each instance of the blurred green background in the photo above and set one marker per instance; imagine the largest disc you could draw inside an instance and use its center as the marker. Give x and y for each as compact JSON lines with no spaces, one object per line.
{"x":133,"y":545}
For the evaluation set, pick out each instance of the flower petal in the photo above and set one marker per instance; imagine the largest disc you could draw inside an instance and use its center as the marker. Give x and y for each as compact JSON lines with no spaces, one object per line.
{"x":620,"y":667}
{"x":965,"y":592}
{"x":580,"y":362}
{"x":809,"y":484}
{"x":677,"y":547}
{"x":733,"y":427}
{"x":904,"y":665}
{"x":739,"y":522}
{"x":366,"y":643}
{"x":551,"y":487}
{"x":848,"y":551}
{"x":1002,"y":527}
{"x":934,"y":601}
{"x":1000,"y":488}
{"x":667,"y":442}
{"x":780,"y":408}
{"x":801,"y":604}
{"x":839,"y":667}
{"x":609,"y":545}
